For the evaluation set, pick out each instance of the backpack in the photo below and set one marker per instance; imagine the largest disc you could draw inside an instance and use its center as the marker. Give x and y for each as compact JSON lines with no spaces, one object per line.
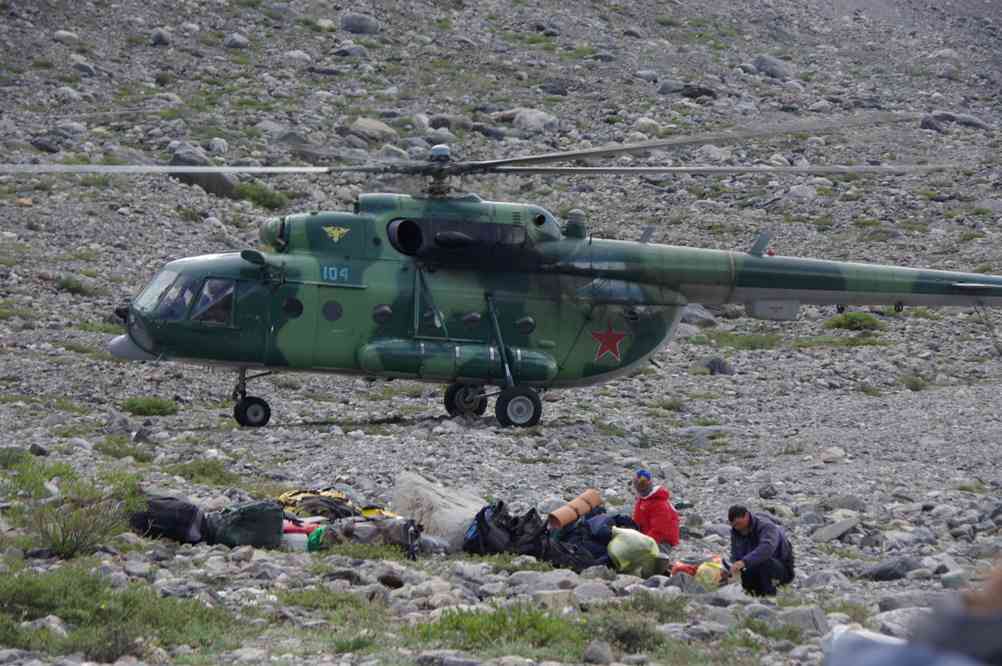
{"x":256,"y":524}
{"x":171,"y":518}
{"x":570,"y":555}
{"x":529,"y":534}
{"x":490,"y":531}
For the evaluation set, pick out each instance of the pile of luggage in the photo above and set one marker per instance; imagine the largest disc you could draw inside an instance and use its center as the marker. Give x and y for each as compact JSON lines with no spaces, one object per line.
{"x":301,"y":520}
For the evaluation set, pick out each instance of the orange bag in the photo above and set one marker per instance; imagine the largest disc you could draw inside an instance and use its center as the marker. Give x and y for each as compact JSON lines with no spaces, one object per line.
{"x":577,"y":507}
{"x":682,"y":567}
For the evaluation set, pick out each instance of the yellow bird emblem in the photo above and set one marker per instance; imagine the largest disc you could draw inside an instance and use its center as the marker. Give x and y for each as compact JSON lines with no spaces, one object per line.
{"x":337,"y":233}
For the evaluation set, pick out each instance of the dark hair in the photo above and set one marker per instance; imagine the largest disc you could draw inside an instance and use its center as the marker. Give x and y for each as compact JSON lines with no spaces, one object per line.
{"x":736,"y":511}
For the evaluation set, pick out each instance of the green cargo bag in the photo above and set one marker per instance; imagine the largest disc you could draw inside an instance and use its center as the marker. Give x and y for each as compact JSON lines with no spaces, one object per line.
{"x":257,"y":524}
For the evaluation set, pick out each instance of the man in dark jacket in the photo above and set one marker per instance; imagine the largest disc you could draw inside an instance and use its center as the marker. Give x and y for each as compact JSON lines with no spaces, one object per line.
{"x":760,"y":551}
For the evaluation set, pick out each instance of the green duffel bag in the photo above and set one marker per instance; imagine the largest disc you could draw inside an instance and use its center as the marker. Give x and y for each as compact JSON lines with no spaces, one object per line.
{"x":257,"y":524}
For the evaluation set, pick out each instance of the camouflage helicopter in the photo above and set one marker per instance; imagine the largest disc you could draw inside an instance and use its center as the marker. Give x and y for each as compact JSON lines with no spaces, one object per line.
{"x":494,"y":299}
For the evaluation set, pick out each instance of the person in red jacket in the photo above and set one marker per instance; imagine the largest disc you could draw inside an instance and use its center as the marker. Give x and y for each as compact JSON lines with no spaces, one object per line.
{"x":654,"y":512}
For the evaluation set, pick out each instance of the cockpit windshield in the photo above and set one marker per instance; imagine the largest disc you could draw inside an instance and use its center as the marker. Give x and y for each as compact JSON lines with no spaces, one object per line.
{"x":148,"y":299}
{"x":177,"y":300}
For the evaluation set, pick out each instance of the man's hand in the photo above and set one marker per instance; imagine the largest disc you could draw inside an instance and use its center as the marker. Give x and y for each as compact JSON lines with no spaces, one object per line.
{"x":737,"y":567}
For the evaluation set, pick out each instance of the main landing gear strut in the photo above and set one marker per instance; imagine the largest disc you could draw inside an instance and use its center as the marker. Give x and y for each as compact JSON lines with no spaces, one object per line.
{"x":517,"y":405}
{"x":249,"y":411}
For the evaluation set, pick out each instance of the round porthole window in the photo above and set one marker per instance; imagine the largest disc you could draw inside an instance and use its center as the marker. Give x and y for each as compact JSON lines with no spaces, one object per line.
{"x":332,"y":311}
{"x":292,"y":307}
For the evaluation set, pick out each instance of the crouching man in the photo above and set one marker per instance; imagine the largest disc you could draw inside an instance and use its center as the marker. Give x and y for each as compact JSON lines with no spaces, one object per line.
{"x":760,"y":552}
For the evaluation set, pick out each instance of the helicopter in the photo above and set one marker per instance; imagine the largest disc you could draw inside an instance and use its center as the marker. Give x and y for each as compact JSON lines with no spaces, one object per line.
{"x":493,"y":299}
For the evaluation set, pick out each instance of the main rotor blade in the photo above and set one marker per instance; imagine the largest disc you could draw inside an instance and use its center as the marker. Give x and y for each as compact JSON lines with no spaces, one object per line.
{"x":143,"y":169}
{"x":593,"y":171}
{"x":674,"y":142}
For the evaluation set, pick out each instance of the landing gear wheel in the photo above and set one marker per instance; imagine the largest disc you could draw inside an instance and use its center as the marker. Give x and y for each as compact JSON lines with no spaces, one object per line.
{"x":252,"y":412}
{"x":465,"y":399}
{"x":518,"y":406}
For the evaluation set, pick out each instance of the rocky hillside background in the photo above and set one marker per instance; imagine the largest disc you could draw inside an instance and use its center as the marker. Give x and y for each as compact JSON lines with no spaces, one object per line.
{"x":874,"y":449}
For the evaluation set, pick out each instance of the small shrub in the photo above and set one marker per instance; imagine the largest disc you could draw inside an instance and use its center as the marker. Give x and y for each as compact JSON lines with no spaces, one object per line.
{"x":669,"y":404}
{"x":783,"y":632}
{"x":11,"y":457}
{"x":368,"y":551}
{"x":749,"y":341}
{"x":855,"y":321}
{"x":119,"y":446}
{"x":914,"y":381}
{"x":660,"y":609}
{"x":101,"y":327}
{"x":74,"y":286}
{"x":205,"y":472}
{"x":856,"y":612}
{"x":262,"y":195}
{"x":150,"y":407}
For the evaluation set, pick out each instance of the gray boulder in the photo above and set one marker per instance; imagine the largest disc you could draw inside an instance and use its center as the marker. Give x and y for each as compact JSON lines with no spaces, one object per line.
{"x":698,"y":315}
{"x":373,"y":130}
{"x":809,"y":619}
{"x":893,"y":569}
{"x":220,"y":184}
{"x":835,"y":531}
{"x":360,"y":24}
{"x":236,"y":41}
{"x":917,"y":599}
{"x":773,"y":67}
{"x":901,"y":623}
{"x":598,"y":652}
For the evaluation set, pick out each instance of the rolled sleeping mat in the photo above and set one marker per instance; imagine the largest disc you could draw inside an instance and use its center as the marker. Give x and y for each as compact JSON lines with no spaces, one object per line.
{"x":577,"y":507}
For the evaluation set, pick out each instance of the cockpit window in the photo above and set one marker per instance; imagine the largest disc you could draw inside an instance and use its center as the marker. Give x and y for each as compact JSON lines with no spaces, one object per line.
{"x":215,"y":302}
{"x":149,"y":297}
{"x":177,"y":300}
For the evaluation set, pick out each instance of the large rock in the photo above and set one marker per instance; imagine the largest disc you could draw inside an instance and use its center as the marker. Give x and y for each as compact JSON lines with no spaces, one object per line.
{"x":901,"y":623}
{"x":773,"y":67}
{"x":220,"y":184}
{"x":696,"y":314}
{"x":592,"y":591}
{"x":535,"y":121}
{"x":360,"y":24}
{"x":916,"y":599}
{"x":444,"y":512}
{"x":373,"y":130}
{"x":809,"y":619}
{"x":598,"y":652}
{"x":893,"y":569}
{"x":835,"y":531}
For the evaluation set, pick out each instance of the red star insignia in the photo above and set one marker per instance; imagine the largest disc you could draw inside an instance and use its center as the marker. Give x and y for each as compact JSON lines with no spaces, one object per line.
{"x":608,"y":342}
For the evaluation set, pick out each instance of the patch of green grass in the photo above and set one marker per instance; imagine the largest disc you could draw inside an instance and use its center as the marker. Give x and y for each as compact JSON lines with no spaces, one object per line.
{"x":862,"y":340}
{"x":506,"y":562}
{"x":984,"y":268}
{"x":104,"y":624}
{"x":740,"y":340}
{"x":668,"y":404}
{"x":660,"y":609}
{"x":870,"y":390}
{"x":922,"y":312}
{"x":205,"y":472}
{"x":355,"y":624}
{"x":11,"y":456}
{"x":981,"y":212}
{"x":42,"y":63}
{"x":150,"y":406}
{"x":74,"y":286}
{"x":609,"y":429}
{"x":368,"y":551}
{"x":705,"y":421}
{"x":783,"y":632}
{"x":666,"y":21}
{"x":514,"y":630}
{"x":119,"y":446}
{"x":100,"y":327}
{"x":855,"y":321}
{"x":975,"y":487}
{"x":856,"y":612}
{"x":793,"y":449}
{"x":970,"y":235}
{"x":10,"y":312}
{"x":262,"y":195}
{"x":914,"y":381}
{"x":444,"y":24}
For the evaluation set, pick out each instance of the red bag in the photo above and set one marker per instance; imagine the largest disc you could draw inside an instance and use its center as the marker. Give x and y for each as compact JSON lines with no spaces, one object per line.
{"x":682,"y":567}
{"x":289,"y":527}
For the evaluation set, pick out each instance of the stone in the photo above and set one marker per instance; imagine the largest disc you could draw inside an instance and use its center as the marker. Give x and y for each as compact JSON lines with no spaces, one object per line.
{"x":218,"y":146}
{"x":444,"y":512}
{"x":768,"y":491}
{"x":773,"y":67}
{"x":955,"y":580}
{"x":809,"y":619}
{"x":647,"y":126}
{"x":915,"y":599}
{"x":647,"y":75}
{"x":65,"y":37}
{"x":555,"y":600}
{"x":598,"y":652}
{"x":698,"y":315}
{"x":160,"y":37}
{"x":835,"y":531}
{"x":220,"y":184}
{"x":892,"y":569}
{"x":535,"y":121}
{"x":901,"y":623}
{"x":373,"y":130}
{"x":826,"y":578}
{"x":236,"y":41}
{"x":53,"y":624}
{"x":592,"y":591}
{"x":360,"y":24}
{"x":717,"y":365}
{"x":670,"y":87}
{"x":803,"y":193}
{"x":850,"y":502}
{"x":38,"y":450}
{"x":249,"y":655}
{"x":832,"y":454}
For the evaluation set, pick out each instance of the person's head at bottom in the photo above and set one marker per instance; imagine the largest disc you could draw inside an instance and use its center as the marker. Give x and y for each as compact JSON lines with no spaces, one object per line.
{"x":740,"y":519}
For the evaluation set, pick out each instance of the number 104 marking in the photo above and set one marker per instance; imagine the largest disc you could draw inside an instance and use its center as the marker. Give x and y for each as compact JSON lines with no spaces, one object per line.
{"x":335,"y":273}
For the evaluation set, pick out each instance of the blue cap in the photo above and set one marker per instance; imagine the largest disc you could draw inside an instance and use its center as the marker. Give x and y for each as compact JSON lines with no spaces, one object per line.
{"x":643,"y":474}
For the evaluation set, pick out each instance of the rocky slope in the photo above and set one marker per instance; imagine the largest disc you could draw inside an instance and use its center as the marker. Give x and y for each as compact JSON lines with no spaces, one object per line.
{"x":867,"y":453}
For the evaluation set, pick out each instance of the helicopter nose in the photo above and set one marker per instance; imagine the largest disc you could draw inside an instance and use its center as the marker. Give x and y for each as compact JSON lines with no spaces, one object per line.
{"x":123,"y":347}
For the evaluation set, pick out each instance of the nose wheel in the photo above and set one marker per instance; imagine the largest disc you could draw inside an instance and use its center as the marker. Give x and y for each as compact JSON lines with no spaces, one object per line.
{"x":249,"y":411}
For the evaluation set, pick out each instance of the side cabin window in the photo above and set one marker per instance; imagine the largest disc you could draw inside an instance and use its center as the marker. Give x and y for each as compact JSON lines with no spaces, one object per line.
{"x":431,"y":236}
{"x":215,"y":302}
{"x":177,"y":300}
